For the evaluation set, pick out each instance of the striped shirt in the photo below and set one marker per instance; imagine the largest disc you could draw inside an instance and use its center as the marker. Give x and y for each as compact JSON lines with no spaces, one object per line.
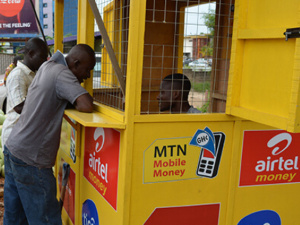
{"x":17,"y":85}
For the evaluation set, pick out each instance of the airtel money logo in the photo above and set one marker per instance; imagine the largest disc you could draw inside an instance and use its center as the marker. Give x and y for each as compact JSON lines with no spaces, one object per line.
{"x":101,"y":161}
{"x":281,"y":163}
{"x":269,"y":157}
{"x":95,"y":160}
{"x":99,"y":137}
{"x":11,"y":8}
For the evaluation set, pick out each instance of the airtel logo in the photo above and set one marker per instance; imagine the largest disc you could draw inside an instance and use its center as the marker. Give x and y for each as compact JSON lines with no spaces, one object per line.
{"x":276,"y":140}
{"x":99,"y":137}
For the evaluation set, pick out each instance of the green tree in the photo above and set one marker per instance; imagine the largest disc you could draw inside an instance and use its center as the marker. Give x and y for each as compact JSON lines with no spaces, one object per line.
{"x":208,"y":50}
{"x":209,"y":21}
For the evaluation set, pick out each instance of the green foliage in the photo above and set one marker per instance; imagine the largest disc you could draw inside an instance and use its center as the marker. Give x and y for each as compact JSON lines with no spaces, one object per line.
{"x":204,"y":108}
{"x":208,"y":50}
{"x":201,"y":86}
{"x":49,"y":38}
{"x":20,"y":49}
{"x":209,"y":20}
{"x":2,"y":50}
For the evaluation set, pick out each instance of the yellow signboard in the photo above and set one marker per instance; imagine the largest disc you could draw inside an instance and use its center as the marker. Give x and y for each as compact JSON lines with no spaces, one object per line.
{"x":182,"y":158}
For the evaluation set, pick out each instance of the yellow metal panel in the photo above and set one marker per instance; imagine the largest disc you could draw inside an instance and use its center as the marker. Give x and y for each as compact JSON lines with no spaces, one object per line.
{"x":135,"y":57}
{"x":263,"y":82}
{"x":266,"y":86}
{"x":107,"y":76}
{"x":85,"y":24}
{"x":85,"y":33}
{"x":261,"y":33}
{"x":271,"y":14}
{"x":132,"y":98}
{"x":281,"y":198}
{"x":181,"y":118}
{"x":110,"y":112}
{"x":94,"y":119}
{"x":259,"y":116}
{"x":294,"y":124}
{"x":59,"y":25}
{"x":179,"y":190}
{"x":236,"y":58}
{"x":237,"y":136}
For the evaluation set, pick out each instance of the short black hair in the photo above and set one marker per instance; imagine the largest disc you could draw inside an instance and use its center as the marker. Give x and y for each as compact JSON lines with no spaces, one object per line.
{"x":180,"y":79}
{"x":179,"y":82}
{"x":34,"y":43}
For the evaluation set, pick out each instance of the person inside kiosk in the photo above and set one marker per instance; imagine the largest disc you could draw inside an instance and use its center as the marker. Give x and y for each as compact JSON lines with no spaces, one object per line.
{"x":173,"y":95}
{"x":31,"y":149}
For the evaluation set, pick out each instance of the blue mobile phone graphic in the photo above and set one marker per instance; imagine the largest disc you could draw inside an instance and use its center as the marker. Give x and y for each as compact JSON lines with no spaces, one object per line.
{"x":208,"y":164}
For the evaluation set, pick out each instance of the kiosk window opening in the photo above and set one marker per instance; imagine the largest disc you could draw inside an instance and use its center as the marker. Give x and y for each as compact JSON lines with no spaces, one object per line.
{"x":106,"y":87}
{"x":193,"y":38}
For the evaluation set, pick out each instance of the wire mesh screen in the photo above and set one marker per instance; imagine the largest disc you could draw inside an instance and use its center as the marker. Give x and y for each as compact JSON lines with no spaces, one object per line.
{"x":106,"y":88}
{"x":190,"y":38}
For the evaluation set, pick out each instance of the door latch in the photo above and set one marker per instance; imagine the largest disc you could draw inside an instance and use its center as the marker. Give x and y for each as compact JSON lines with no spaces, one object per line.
{"x":292,"y":33}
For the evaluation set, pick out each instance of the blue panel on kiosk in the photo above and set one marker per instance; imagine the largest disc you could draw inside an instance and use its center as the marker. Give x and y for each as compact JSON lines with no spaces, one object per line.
{"x":264,"y":217}
{"x":89,"y":213}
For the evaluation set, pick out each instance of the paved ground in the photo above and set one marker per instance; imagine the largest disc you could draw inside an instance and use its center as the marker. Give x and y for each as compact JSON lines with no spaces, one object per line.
{"x":197,"y":99}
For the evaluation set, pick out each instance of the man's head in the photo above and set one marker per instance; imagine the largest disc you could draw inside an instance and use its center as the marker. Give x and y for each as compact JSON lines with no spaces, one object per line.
{"x":16,"y":59}
{"x":174,"y":92}
{"x":81,"y":60}
{"x":35,"y":53}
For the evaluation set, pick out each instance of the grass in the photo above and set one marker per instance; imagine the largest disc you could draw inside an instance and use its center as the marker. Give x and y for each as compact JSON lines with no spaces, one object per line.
{"x":204,"y":108}
{"x":201,"y":87}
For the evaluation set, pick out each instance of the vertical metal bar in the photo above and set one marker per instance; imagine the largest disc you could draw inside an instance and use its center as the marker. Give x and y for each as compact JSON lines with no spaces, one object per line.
{"x":59,"y":25}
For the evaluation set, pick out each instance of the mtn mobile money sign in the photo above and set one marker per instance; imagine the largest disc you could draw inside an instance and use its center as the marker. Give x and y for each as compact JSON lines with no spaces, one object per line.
{"x":181,"y":158}
{"x":270,"y":157}
{"x":101,"y":161}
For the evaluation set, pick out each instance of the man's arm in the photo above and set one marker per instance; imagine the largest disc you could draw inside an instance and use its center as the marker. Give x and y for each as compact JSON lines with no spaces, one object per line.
{"x":17,"y":89}
{"x":84,"y":103}
{"x":19,"y":107}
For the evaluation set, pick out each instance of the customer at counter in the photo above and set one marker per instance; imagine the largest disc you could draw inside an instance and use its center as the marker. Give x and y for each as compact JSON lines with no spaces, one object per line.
{"x":12,"y":66}
{"x":19,"y":80}
{"x":31,"y":149}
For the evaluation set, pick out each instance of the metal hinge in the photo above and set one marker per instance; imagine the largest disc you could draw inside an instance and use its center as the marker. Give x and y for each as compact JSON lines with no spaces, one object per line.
{"x":292,"y":33}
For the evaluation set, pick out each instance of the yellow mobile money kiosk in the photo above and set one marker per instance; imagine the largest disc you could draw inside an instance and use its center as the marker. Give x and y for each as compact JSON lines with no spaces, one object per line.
{"x":237,"y":162}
